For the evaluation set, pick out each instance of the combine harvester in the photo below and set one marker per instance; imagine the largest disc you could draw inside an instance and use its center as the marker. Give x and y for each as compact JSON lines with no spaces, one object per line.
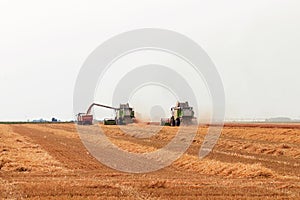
{"x":124,"y":115}
{"x":182,"y":113}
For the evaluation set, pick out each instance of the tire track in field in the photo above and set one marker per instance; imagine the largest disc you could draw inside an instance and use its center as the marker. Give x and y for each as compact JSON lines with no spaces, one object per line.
{"x":69,"y":151}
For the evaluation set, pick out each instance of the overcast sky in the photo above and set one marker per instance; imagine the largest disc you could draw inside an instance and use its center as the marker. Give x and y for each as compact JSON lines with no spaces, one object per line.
{"x":254,"y":45}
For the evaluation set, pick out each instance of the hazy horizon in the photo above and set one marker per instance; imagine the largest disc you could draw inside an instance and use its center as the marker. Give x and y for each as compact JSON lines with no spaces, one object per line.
{"x":254,"y":45}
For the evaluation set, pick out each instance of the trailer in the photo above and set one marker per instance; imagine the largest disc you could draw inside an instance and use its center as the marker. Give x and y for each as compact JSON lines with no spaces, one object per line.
{"x":84,"y":119}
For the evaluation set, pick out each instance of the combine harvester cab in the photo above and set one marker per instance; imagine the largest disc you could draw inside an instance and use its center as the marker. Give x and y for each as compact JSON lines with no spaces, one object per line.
{"x":125,"y":115}
{"x":182,"y":114}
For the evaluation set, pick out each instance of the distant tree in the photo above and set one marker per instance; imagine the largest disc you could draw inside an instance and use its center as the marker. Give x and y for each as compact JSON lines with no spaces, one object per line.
{"x":54,"y":119}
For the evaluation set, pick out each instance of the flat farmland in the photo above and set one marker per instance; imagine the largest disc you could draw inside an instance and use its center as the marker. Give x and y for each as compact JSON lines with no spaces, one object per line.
{"x":250,"y":161}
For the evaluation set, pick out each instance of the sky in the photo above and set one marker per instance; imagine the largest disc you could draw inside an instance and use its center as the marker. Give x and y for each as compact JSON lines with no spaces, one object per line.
{"x":253,"y":44}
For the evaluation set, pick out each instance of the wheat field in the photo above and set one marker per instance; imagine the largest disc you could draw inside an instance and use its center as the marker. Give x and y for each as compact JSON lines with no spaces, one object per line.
{"x":250,"y":161}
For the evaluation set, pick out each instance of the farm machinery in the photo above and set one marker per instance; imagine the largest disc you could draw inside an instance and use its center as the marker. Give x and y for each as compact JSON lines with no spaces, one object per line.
{"x":124,"y":115}
{"x":182,"y":113}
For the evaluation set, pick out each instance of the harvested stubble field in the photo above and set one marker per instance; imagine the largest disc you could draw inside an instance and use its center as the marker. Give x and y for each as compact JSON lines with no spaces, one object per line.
{"x":250,"y":161}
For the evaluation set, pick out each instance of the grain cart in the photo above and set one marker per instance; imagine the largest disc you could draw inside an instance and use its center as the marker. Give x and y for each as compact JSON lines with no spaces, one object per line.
{"x":84,"y":119}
